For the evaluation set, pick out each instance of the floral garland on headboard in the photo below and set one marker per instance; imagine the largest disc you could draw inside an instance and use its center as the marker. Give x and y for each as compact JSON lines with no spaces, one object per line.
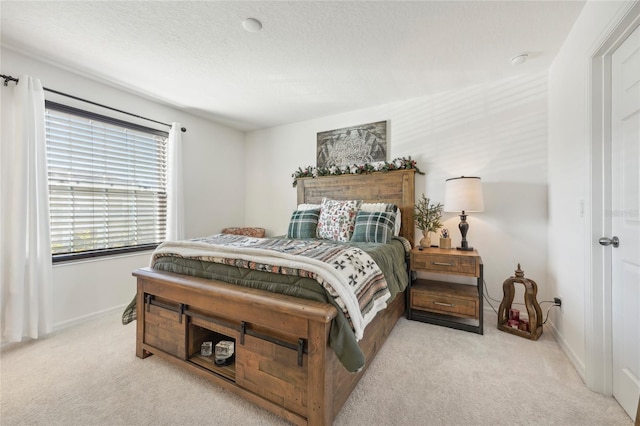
{"x":356,"y":169}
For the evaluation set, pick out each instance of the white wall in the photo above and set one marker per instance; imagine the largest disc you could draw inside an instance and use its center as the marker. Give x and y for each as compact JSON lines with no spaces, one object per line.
{"x":213,"y":186}
{"x":497,"y":131}
{"x":569,"y":174}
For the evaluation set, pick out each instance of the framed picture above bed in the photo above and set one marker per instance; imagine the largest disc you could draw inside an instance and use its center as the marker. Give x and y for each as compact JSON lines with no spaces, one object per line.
{"x":365,"y":143}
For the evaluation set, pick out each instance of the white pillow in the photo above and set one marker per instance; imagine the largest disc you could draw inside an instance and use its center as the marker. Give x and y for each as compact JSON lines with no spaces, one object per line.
{"x":309,"y":206}
{"x":384,"y":207}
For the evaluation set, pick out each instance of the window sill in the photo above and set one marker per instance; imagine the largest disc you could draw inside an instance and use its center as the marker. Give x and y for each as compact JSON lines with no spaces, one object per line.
{"x":102,"y":254}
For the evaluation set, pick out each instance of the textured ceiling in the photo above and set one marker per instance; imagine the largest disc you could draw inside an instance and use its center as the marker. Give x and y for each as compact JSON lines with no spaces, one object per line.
{"x":312,"y":58}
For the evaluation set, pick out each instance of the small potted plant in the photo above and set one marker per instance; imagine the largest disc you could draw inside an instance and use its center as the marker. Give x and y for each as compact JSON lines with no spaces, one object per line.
{"x":427,"y":217}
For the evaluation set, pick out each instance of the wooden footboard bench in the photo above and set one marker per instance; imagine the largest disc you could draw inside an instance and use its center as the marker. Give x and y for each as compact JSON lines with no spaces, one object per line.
{"x":283,"y":362}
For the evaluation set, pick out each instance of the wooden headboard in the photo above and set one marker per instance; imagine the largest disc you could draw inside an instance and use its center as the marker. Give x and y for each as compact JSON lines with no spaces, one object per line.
{"x":397,"y":187}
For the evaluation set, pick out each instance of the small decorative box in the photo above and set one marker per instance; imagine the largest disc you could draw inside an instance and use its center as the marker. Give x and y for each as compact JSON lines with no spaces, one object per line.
{"x":513,"y":323}
{"x":524,"y":325}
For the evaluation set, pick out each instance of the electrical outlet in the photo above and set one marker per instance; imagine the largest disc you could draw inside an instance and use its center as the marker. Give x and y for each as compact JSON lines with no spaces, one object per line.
{"x":557,"y":301}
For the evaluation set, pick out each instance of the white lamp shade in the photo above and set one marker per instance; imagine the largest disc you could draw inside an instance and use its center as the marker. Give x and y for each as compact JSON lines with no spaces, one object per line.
{"x":463,"y":194}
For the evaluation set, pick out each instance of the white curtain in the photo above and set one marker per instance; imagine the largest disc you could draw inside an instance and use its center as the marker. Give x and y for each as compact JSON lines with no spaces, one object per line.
{"x":175,"y":199}
{"x":25,"y":242}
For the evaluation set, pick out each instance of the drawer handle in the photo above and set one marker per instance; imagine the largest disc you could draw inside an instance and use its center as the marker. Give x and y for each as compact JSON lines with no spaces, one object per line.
{"x":442,"y":264}
{"x":451,"y":305}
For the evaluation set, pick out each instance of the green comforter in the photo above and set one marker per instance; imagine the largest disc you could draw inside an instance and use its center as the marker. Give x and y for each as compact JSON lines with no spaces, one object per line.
{"x":389,"y":257}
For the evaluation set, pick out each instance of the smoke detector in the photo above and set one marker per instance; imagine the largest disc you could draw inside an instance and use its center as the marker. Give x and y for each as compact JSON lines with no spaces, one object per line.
{"x":519,"y":59}
{"x":252,"y":25}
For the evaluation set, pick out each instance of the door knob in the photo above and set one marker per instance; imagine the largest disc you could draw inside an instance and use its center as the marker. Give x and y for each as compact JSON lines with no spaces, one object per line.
{"x":604,"y":241}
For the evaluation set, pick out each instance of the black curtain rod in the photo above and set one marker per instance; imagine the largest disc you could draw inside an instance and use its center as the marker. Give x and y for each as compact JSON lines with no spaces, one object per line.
{"x":8,"y":78}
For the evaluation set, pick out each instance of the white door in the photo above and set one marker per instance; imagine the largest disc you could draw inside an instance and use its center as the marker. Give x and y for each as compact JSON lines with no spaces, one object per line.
{"x":625,"y":221}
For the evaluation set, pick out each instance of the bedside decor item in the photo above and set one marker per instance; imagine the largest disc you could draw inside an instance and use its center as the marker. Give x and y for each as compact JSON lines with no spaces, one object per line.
{"x":361,"y":144}
{"x":463,"y":194}
{"x":427,"y":217}
{"x":445,"y":241}
{"x":509,"y":319}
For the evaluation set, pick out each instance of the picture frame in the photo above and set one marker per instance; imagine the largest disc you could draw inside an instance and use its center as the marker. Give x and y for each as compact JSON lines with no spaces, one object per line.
{"x":365,"y":143}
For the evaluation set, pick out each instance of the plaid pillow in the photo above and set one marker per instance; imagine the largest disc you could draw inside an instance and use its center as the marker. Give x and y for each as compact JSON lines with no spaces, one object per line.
{"x":303,"y":224}
{"x":385,"y":207}
{"x":373,"y":227}
{"x":337,"y":219}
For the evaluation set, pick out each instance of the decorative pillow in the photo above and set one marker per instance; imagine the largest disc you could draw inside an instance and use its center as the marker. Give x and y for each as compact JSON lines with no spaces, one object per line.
{"x":337,"y":219}
{"x":385,"y":207}
{"x":249,"y":232}
{"x":373,"y":227}
{"x":303,"y":224}
{"x":378,"y":207}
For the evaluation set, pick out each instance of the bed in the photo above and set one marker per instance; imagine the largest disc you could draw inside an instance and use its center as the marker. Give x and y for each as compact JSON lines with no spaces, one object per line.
{"x":285,"y":359}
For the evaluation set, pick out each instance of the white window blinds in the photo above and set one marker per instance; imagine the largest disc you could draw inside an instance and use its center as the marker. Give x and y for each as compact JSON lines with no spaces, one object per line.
{"x":107,"y":182}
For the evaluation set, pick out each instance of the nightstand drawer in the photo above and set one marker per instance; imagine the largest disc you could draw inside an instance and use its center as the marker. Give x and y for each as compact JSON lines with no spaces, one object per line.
{"x":444,"y":305}
{"x":464,"y":265}
{"x":445,"y":298}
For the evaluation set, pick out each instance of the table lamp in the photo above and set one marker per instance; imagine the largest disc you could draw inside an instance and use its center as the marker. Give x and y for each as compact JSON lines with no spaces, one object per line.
{"x":463,"y":194}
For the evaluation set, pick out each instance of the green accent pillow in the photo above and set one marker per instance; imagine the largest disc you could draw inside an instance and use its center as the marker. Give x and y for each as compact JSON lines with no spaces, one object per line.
{"x":373,"y":227}
{"x":303,"y":224}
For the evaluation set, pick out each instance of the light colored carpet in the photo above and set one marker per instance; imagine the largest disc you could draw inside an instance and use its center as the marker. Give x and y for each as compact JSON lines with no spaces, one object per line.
{"x":424,"y":375}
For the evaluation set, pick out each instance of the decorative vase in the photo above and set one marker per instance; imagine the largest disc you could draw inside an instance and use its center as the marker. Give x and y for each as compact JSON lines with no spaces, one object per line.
{"x":426,"y":241}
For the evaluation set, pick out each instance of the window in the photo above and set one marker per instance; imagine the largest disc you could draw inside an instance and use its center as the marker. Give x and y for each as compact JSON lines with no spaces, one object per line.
{"x":107,"y":183}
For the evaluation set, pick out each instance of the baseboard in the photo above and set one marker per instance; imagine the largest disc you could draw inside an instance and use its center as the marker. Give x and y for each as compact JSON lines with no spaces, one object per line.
{"x":84,"y":318}
{"x":577,"y":363}
{"x":69,"y":323}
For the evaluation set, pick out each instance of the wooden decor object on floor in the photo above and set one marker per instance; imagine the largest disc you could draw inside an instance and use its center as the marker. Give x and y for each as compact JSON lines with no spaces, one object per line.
{"x":533,"y":308}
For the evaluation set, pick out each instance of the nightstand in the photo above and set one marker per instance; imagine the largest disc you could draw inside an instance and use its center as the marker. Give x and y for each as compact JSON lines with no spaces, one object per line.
{"x":443,"y":302}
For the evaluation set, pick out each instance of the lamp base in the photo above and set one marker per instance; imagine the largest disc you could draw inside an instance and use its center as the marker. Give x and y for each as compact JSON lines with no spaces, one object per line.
{"x":464,"y":227}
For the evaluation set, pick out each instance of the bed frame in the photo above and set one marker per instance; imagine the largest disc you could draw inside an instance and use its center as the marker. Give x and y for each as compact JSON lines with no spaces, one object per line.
{"x":283,"y":362}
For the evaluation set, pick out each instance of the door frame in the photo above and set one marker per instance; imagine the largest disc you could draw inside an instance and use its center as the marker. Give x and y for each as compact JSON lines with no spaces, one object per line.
{"x":598,"y":309}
